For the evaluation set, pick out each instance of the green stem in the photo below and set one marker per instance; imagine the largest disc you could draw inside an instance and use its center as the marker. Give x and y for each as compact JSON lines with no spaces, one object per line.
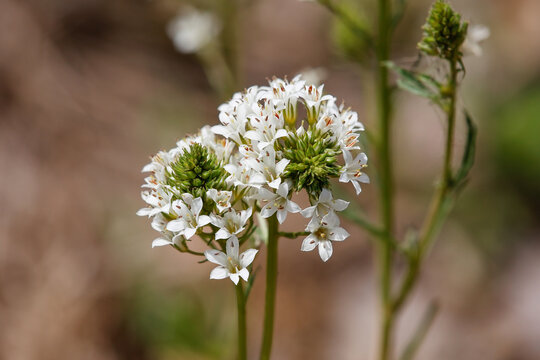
{"x":271,"y":281}
{"x":385,"y":248}
{"x":242,"y":334}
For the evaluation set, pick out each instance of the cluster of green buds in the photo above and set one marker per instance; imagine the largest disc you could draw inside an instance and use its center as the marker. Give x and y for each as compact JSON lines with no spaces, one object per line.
{"x":313,"y":160}
{"x":196,"y":171}
{"x":444,"y":32}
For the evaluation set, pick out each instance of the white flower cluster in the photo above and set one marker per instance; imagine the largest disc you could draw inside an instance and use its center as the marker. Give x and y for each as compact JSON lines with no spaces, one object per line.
{"x":213,"y":184}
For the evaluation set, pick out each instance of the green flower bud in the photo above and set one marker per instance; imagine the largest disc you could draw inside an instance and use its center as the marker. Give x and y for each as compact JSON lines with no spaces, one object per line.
{"x":444,"y":32}
{"x":313,"y":161}
{"x":196,"y":171}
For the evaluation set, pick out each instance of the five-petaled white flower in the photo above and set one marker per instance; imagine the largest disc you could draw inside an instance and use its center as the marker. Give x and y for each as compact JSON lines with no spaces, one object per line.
{"x":221,"y":198}
{"x":231,"y":223}
{"x":231,"y":264}
{"x":322,"y":235}
{"x":189,"y":220}
{"x":325,"y":207}
{"x":352,"y":171}
{"x":277,"y":202}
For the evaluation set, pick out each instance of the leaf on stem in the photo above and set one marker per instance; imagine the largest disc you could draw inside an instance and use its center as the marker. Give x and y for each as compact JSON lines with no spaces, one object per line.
{"x":250,"y":283}
{"x":467,"y":160}
{"x":418,"y":84}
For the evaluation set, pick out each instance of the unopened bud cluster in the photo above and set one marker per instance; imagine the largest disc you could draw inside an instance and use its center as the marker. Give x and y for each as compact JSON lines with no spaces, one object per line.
{"x":444,"y":32}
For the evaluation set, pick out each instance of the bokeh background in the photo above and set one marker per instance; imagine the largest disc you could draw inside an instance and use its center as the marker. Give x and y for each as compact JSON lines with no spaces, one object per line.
{"x":89,"y":89}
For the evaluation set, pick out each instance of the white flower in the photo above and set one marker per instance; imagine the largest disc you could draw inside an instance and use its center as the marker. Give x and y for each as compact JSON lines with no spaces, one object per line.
{"x":159,"y":199}
{"x":277,"y":202}
{"x":221,"y":198}
{"x":231,"y":264}
{"x":325,"y":207}
{"x":188,"y":220}
{"x":313,"y":98}
{"x":322,"y":235}
{"x":266,"y":171}
{"x":192,"y":30}
{"x":352,"y":171}
{"x":267,"y":127}
{"x":231,"y":223}
{"x":475,"y":35}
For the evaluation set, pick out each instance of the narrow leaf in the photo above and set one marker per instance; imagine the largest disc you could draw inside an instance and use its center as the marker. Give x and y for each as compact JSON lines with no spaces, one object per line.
{"x":418,"y":84}
{"x":467,"y":160}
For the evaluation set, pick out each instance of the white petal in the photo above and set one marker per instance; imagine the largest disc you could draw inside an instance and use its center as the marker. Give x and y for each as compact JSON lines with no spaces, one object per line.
{"x":216,"y":257}
{"x":219,"y":273}
{"x":196,"y":206}
{"x":281,"y":165}
{"x":338,"y":234}
{"x":326,"y":196}
{"x":235,"y":278}
{"x":247,"y":257}
{"x":160,"y":242}
{"x":176,"y":225}
{"x":281,"y":215}
{"x":274,"y":184}
{"x":145,"y":211}
{"x":222,"y":234}
{"x":293,"y":207}
{"x":344,"y":177}
{"x":357,"y":187}
{"x":347,"y":156}
{"x":309,"y":243}
{"x":325,"y":250}
{"x":361,"y":159}
{"x":330,"y":220}
{"x":203,"y":220}
{"x":280,"y":133}
{"x":308,"y":212}
{"x":268,"y":211}
{"x":340,"y":205}
{"x":244,"y":274}
{"x":189,"y":232}
{"x":221,"y":130}
{"x":283,"y":190}
{"x":232,"y":247}
{"x":253,"y":135}
{"x":364,"y":178}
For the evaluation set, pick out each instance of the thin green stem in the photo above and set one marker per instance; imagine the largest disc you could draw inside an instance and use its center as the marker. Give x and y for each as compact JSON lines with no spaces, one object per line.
{"x":271,"y":281}
{"x":242,"y":333}
{"x":385,"y":248}
{"x":293,"y":235}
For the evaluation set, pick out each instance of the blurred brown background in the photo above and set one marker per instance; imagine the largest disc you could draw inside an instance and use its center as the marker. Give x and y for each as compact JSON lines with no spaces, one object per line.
{"x":90,"y":88}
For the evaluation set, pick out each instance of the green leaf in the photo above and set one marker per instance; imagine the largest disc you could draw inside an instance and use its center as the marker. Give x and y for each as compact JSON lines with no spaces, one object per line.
{"x":250,"y":282}
{"x":467,"y":160}
{"x":418,"y":84}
